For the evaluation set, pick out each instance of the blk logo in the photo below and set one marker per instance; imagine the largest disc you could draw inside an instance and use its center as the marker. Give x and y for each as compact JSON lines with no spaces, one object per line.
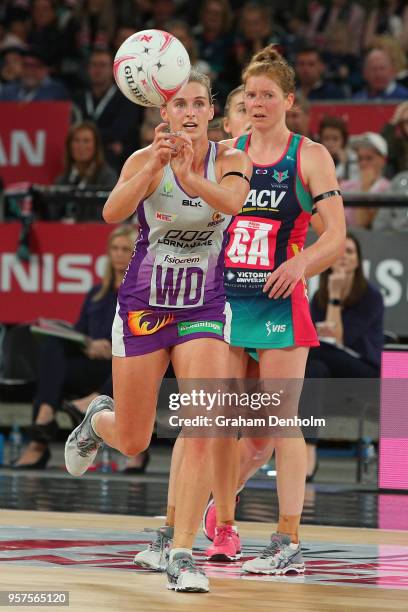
{"x":191,"y":203}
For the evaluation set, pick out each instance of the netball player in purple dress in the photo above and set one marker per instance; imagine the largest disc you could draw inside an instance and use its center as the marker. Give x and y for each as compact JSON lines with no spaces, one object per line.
{"x":171,"y":305}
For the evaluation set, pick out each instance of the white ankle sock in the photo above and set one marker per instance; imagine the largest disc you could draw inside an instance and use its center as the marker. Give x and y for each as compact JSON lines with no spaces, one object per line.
{"x":174,"y":551}
{"x":93,"y":421}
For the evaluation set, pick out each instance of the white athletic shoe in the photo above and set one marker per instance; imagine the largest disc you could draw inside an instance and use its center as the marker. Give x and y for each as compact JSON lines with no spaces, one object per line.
{"x":156,"y":556}
{"x":82,"y":444}
{"x":278,"y":558}
{"x":184,"y":575}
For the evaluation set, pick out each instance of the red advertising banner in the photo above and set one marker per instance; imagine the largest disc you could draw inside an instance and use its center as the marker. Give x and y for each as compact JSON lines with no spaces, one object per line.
{"x":32,"y":141}
{"x":66,"y":261}
{"x":358,"y":117}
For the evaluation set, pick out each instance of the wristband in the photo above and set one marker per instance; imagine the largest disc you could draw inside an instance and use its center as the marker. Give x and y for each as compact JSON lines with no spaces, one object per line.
{"x":334,"y":301}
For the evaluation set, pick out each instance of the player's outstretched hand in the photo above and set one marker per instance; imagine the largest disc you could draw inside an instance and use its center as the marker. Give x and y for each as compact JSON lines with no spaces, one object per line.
{"x":282,"y":281}
{"x":183,"y":158}
{"x":161,"y":149}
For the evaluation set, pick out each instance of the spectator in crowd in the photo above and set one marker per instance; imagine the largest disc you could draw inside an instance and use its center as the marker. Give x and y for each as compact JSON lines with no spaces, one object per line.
{"x":380,"y":76}
{"x":163,"y":11}
{"x":298,"y":117}
{"x":213,"y":34}
{"x":97,"y":19}
{"x":11,"y":66}
{"x":342,"y":67}
{"x":181,"y":30}
{"x":372,"y":151}
{"x":348,"y":312}
{"x":333,"y":134}
{"x":64,"y":370}
{"x":133,"y":13}
{"x":84,"y":166}
{"x":256,"y":31}
{"x":44,"y":33}
{"x":117,"y":118}
{"x":323,"y":15}
{"x":397,"y":54}
{"x":35,"y":83}
{"x":396,"y":134}
{"x":387,"y":17}
{"x":16,"y":22}
{"x":310,"y":76}
{"x":122,"y":33}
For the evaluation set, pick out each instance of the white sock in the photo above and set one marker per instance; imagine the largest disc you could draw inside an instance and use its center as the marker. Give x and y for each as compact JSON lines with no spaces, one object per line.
{"x":174,"y":551}
{"x":93,"y":421}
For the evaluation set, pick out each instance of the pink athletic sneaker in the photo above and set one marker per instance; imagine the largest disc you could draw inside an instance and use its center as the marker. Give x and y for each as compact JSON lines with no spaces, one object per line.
{"x":210,"y":517}
{"x":226,"y":545}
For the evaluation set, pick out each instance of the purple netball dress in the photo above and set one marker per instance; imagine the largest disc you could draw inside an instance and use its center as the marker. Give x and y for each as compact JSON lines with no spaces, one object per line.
{"x":173,"y":289}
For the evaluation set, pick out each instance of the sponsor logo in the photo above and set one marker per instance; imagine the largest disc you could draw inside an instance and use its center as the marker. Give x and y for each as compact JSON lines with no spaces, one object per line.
{"x":261,"y":171}
{"x":167,"y":189}
{"x":186,"y":328}
{"x":192,"y":203}
{"x":187,"y":238}
{"x":280,"y":176}
{"x":167,"y":217}
{"x":264,"y":199}
{"x":217,"y":218}
{"x":182,"y":259}
{"x":146,"y":322}
{"x":274,"y":328}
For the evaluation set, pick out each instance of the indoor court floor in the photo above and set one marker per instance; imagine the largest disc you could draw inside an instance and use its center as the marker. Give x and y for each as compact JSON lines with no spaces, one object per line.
{"x":90,"y":555}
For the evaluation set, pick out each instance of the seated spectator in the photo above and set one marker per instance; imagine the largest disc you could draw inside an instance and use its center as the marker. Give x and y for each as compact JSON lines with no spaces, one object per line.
{"x":17,"y":21}
{"x":44,"y":33}
{"x":163,"y":11}
{"x":117,"y":118}
{"x":324,"y":15}
{"x":84,"y":160}
{"x":256,"y":31}
{"x":372,"y":153}
{"x":11,"y":67}
{"x":391,"y":217}
{"x":348,"y":312}
{"x":342,"y":66}
{"x":181,"y":30}
{"x":67,"y":371}
{"x":97,"y":19}
{"x":298,"y":117}
{"x":387,"y":17}
{"x":398,"y":57}
{"x":333,"y":134}
{"x":35,"y":83}
{"x":310,"y":71}
{"x":396,"y":134}
{"x":379,"y":74}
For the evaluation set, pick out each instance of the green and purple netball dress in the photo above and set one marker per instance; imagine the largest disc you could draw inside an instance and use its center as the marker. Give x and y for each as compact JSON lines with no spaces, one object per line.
{"x":173,"y":289}
{"x":270,"y":229}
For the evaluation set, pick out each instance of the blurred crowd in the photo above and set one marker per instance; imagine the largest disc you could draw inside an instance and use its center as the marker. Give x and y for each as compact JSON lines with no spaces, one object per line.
{"x":341,"y":50}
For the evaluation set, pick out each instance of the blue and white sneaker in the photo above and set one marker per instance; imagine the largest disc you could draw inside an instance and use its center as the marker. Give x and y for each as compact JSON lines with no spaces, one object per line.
{"x":156,"y":556}
{"x":82,"y":444}
{"x":184,"y":575}
{"x":278,"y":558}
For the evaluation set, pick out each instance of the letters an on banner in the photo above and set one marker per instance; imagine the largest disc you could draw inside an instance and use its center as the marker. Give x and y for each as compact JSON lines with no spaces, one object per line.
{"x":32,"y":141}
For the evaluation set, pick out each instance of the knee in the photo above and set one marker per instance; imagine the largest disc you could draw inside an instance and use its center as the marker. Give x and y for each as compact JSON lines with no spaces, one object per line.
{"x":132,"y":447}
{"x":197,"y":449}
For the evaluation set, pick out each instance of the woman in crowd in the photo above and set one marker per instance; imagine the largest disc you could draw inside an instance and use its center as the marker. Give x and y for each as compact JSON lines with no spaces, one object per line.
{"x":333,"y":134}
{"x":64,"y":369}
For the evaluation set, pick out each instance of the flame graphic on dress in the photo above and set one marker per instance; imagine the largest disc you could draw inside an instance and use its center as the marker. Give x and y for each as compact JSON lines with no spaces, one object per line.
{"x":145,"y":328}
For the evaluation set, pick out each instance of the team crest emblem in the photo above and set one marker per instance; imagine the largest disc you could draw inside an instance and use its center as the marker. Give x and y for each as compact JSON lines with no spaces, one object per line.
{"x":280,"y":176}
{"x":146,"y":322}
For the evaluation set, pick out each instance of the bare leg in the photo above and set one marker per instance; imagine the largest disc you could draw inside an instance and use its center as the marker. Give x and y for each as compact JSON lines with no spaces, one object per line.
{"x":200,"y":359}
{"x":130,"y":427}
{"x":176,"y":459}
{"x":290,"y":451}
